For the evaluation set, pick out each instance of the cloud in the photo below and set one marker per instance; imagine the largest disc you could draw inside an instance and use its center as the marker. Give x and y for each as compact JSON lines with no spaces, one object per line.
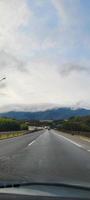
{"x":2,"y":85}
{"x":22,"y":32}
{"x":69,"y":68}
{"x":3,"y":94}
{"x":27,"y":108}
{"x":39,"y":41}
{"x":9,"y":62}
{"x":14,"y":15}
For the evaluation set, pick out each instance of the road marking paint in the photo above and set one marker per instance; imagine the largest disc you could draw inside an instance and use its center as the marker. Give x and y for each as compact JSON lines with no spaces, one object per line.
{"x":34,"y":140}
{"x":31,"y":143}
{"x":73,"y":142}
{"x":78,"y":145}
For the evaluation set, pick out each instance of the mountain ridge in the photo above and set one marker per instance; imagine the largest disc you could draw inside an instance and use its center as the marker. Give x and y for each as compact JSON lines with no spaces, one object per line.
{"x":49,"y":114}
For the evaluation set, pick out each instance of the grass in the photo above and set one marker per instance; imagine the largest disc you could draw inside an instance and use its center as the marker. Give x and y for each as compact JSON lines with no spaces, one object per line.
{"x":78,"y":133}
{"x":11,"y":134}
{"x":85,"y":138}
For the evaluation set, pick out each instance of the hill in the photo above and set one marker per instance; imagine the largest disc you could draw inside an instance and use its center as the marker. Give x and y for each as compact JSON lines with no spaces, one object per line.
{"x":49,"y":114}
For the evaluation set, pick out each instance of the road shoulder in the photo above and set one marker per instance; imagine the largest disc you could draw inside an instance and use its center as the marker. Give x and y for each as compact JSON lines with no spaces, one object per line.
{"x":77,"y":139}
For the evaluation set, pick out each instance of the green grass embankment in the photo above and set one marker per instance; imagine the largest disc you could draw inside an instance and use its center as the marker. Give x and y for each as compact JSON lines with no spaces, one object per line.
{"x":6,"y":135}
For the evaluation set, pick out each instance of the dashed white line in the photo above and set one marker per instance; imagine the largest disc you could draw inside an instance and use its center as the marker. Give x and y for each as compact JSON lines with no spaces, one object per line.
{"x":34,"y":140}
{"x":31,"y":143}
{"x":71,"y":141}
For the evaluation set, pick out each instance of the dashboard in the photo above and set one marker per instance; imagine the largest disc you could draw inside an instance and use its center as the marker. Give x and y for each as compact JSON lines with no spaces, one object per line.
{"x":44,"y":193}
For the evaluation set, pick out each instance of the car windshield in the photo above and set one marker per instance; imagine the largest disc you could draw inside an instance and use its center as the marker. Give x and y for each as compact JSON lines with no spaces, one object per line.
{"x":45,"y":91}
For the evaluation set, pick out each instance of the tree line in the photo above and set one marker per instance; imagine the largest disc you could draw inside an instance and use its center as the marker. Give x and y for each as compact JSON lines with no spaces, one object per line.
{"x":77,"y":125}
{"x":7,"y":124}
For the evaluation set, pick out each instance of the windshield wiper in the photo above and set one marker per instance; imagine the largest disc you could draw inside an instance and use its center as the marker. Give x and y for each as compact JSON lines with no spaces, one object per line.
{"x":21,"y":184}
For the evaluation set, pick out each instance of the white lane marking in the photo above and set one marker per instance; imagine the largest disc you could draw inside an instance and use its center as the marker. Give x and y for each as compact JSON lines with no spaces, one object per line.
{"x":31,"y":143}
{"x":78,"y":145}
{"x":34,"y":140}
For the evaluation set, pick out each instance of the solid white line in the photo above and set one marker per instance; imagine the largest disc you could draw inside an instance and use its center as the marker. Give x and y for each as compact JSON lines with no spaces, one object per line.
{"x":78,"y":145}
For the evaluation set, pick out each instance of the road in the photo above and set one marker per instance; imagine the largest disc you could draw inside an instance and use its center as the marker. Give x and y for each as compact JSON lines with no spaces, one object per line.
{"x":44,"y":156}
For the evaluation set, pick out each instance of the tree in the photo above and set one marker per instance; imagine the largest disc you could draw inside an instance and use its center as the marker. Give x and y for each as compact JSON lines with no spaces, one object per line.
{"x":24,"y":126}
{"x":9,"y":125}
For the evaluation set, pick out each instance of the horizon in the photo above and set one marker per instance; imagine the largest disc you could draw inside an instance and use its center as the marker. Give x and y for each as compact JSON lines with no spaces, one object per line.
{"x":39,"y":108}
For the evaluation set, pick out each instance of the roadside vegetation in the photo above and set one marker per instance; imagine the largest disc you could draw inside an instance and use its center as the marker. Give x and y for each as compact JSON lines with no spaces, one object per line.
{"x":12,"y":128}
{"x":75,"y":125}
{"x":11,"y":134}
{"x":7,"y":124}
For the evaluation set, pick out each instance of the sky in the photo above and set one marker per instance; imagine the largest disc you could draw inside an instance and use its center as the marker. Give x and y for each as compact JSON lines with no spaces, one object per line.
{"x":45,"y":53}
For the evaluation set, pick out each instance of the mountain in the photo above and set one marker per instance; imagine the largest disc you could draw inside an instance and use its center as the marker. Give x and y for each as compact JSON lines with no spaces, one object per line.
{"x":49,"y":114}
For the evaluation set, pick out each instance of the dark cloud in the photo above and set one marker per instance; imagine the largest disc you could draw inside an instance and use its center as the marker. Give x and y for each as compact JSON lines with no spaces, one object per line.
{"x":69,"y":68}
{"x":8,"y":61}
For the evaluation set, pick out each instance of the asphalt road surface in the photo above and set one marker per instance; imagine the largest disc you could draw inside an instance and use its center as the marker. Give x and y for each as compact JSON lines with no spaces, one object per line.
{"x":44,"y":156}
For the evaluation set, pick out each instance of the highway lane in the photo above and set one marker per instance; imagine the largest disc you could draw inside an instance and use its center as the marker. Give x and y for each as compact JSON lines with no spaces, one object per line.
{"x":44,"y":156}
{"x":11,"y":146}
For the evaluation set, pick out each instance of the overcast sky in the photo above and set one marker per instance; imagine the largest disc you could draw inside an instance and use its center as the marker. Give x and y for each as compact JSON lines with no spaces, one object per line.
{"x":45,"y":52}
